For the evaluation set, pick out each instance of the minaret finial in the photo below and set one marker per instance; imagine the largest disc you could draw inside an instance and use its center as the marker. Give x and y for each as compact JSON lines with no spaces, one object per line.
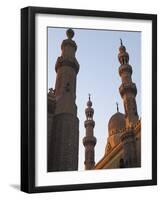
{"x":70,"y":33}
{"x":121,"y":42}
{"x":123,"y":56}
{"x":117,"y":105}
{"x":89,"y":103}
{"x":89,"y":96}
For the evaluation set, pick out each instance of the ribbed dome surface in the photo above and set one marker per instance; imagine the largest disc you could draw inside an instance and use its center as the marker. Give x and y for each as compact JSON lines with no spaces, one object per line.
{"x":116,"y":122}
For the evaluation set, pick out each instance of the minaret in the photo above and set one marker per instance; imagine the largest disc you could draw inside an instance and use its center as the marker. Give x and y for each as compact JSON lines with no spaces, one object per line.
{"x":128,"y":93}
{"x":64,"y":135}
{"x":127,"y":89}
{"x":89,"y":141}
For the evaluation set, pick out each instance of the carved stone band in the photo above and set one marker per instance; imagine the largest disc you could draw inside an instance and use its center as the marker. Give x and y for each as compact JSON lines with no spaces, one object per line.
{"x":63,"y":62}
{"x":130,"y":87}
{"x":125,"y":68}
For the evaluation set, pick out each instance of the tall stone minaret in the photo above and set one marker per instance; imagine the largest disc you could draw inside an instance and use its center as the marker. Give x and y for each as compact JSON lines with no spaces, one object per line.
{"x":127,"y":89}
{"x":89,"y":141}
{"x":128,"y":93}
{"x":63,"y":137}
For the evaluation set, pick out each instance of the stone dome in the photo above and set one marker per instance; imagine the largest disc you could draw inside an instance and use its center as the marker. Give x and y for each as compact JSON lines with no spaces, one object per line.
{"x":116,"y":122}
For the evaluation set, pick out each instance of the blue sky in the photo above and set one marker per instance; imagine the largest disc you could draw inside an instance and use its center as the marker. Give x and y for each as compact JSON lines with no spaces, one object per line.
{"x":97,"y":55}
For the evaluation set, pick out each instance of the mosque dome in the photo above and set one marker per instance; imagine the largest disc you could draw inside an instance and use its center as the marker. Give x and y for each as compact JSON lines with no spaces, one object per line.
{"x":116,"y":122}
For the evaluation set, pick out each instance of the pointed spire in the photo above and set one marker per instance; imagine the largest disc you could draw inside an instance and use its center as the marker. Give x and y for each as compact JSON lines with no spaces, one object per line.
{"x":121,"y":42}
{"x":89,"y":96}
{"x":117,"y":105}
{"x":89,"y":110}
{"x":89,"y":103}
{"x":123,"y":56}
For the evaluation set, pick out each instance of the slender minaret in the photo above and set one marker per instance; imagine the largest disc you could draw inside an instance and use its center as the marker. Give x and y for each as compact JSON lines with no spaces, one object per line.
{"x":127,"y":89}
{"x":89,"y":141}
{"x":63,"y":136}
{"x":128,"y":93}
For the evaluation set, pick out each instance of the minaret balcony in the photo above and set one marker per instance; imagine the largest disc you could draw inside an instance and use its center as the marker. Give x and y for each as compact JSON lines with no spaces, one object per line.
{"x":89,"y":112}
{"x":89,"y":140}
{"x":125,"y":68}
{"x":68,"y":42}
{"x":61,"y":61}
{"x":127,"y":88}
{"x":89,"y":122}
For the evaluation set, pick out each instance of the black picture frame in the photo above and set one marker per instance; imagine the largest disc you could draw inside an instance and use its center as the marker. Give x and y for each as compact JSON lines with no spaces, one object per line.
{"x":28,"y":98}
